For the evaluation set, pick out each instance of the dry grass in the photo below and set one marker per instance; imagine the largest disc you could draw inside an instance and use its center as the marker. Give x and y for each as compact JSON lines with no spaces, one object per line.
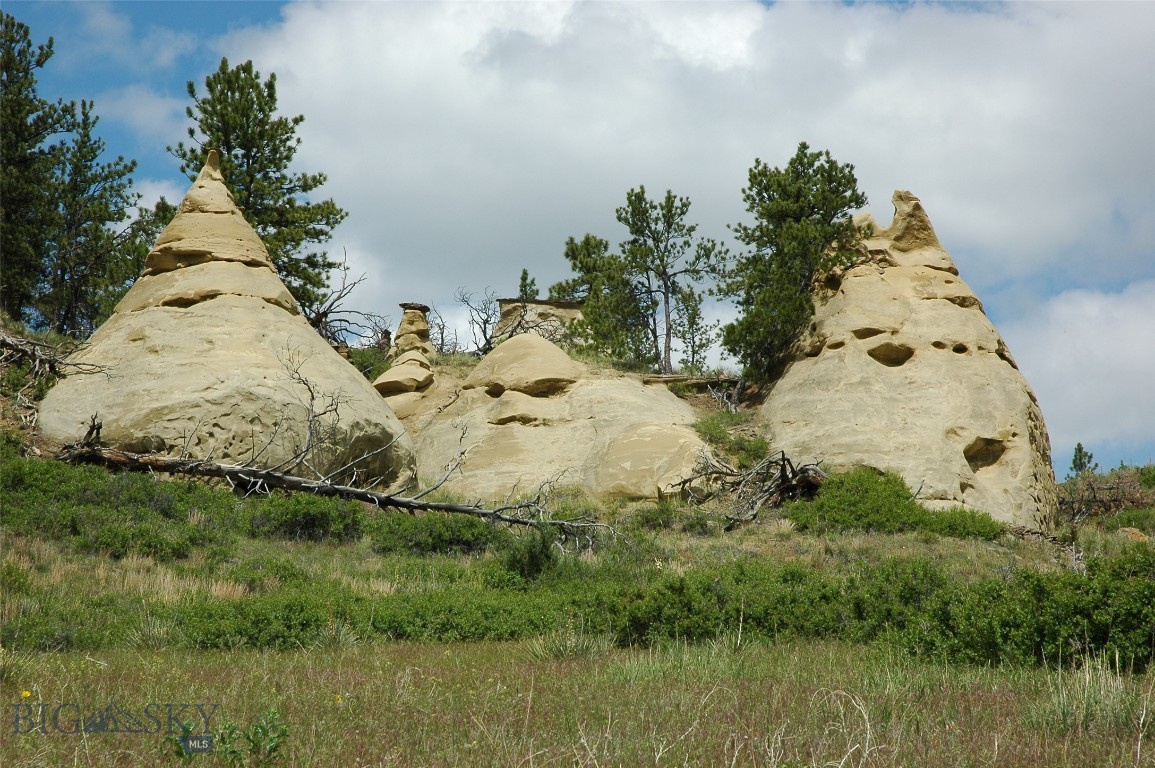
{"x":726,"y":703}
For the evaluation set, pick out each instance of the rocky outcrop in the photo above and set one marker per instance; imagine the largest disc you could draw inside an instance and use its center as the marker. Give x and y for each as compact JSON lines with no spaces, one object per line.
{"x":207,"y":356}
{"x":902,"y":371}
{"x":543,"y":317}
{"x":528,"y":414}
{"x":413,"y":331}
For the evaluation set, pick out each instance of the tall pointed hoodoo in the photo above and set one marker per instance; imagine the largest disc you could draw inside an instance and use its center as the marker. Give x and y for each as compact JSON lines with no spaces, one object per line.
{"x":207,"y":356}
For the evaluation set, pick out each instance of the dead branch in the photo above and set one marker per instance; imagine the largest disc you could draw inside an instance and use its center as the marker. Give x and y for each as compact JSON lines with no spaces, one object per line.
{"x":340,"y":326}
{"x":772,"y":481}
{"x":527,"y":513}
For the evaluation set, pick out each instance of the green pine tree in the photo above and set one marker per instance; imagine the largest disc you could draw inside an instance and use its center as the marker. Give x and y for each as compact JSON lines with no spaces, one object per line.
{"x":664,"y":258}
{"x":615,"y":312}
{"x":29,"y":156}
{"x":86,"y":261}
{"x":237,"y":116}
{"x":801,"y":229}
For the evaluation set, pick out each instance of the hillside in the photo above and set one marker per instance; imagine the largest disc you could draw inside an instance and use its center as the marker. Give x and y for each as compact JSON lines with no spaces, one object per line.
{"x":120,"y":568}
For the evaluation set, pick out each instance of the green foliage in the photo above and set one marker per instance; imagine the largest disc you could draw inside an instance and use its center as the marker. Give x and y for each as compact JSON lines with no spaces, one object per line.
{"x":432,"y":533}
{"x":526,"y":287}
{"x":115,"y":515}
{"x":16,"y":378}
{"x":692,"y":329}
{"x":302,"y":516}
{"x":237,"y":116}
{"x":1037,"y":618}
{"x":657,"y":517}
{"x":69,"y":254}
{"x":638,"y":302}
{"x":1082,"y":462}
{"x":262,"y":744}
{"x":718,"y":429}
{"x":531,"y":554}
{"x":664,"y":259}
{"x":296,"y":615}
{"x":28,"y":160}
{"x":1142,"y":518}
{"x":370,"y":361}
{"x":89,"y":264}
{"x":801,"y":229}
{"x":868,"y":501}
{"x":1147,"y":476}
{"x":615,"y":317}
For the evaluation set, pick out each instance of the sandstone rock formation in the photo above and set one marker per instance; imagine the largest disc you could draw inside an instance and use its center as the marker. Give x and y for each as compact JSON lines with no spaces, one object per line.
{"x":543,"y":317}
{"x":902,"y":371}
{"x":413,"y":331}
{"x":208,"y":356}
{"x":528,"y":413}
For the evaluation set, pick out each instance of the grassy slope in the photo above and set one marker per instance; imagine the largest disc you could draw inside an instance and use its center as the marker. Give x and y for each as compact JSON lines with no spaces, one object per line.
{"x":564,"y":692}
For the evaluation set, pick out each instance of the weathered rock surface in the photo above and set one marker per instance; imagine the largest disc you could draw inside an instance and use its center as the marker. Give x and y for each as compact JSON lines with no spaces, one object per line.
{"x":207,"y":356}
{"x":413,"y":332}
{"x":902,"y":371}
{"x":531,"y":414}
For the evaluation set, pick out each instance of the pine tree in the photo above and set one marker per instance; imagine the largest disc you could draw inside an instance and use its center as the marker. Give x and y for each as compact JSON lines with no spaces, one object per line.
{"x":615,"y":312}
{"x":665,"y":259}
{"x":28,"y":158}
{"x":527,"y":287}
{"x":802,"y":228}
{"x":85,"y":259}
{"x":237,"y":116}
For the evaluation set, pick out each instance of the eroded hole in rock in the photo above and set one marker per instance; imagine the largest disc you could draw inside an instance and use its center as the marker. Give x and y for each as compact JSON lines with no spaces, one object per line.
{"x":189,"y":300}
{"x":983,"y":452}
{"x":836,"y":345}
{"x":959,"y":349}
{"x":866,"y":333}
{"x":938,"y":344}
{"x":891,"y":355}
{"x":832,"y":282}
{"x":966,"y":302}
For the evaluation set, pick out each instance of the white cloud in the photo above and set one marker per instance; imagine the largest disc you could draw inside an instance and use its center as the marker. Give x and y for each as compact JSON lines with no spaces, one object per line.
{"x":111,"y":36}
{"x":468,"y":140}
{"x":1091,"y":358}
{"x":152,"y":116}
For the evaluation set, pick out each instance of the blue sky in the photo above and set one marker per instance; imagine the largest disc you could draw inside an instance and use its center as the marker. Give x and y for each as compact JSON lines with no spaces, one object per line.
{"x":469,"y":140}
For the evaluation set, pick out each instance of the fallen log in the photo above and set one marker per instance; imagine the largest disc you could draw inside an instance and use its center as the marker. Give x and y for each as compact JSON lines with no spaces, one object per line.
{"x":527,"y":513}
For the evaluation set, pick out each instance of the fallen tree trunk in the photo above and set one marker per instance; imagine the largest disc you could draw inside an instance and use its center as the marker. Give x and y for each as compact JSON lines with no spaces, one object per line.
{"x":527,"y":513}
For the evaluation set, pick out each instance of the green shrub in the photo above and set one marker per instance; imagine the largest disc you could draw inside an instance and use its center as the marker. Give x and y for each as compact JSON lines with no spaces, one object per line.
{"x":657,"y":517}
{"x":432,"y":533}
{"x":745,"y":451}
{"x":115,"y":514}
{"x":1046,"y":618}
{"x":370,"y":361}
{"x":1142,"y":518}
{"x":466,"y":614}
{"x":868,"y":501}
{"x":64,"y":621}
{"x":262,"y":574}
{"x":1147,"y":476}
{"x":292,"y":617}
{"x":304,"y":516}
{"x":697,"y":522}
{"x":531,"y":554}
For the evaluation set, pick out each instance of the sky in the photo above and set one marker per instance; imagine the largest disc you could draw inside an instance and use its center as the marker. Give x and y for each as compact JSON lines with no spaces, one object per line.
{"x":468,"y":140}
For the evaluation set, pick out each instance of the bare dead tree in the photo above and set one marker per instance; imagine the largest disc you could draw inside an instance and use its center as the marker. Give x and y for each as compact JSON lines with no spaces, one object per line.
{"x":339,"y":325}
{"x":441,"y":335}
{"x":484,"y":314}
{"x":772,"y":481}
